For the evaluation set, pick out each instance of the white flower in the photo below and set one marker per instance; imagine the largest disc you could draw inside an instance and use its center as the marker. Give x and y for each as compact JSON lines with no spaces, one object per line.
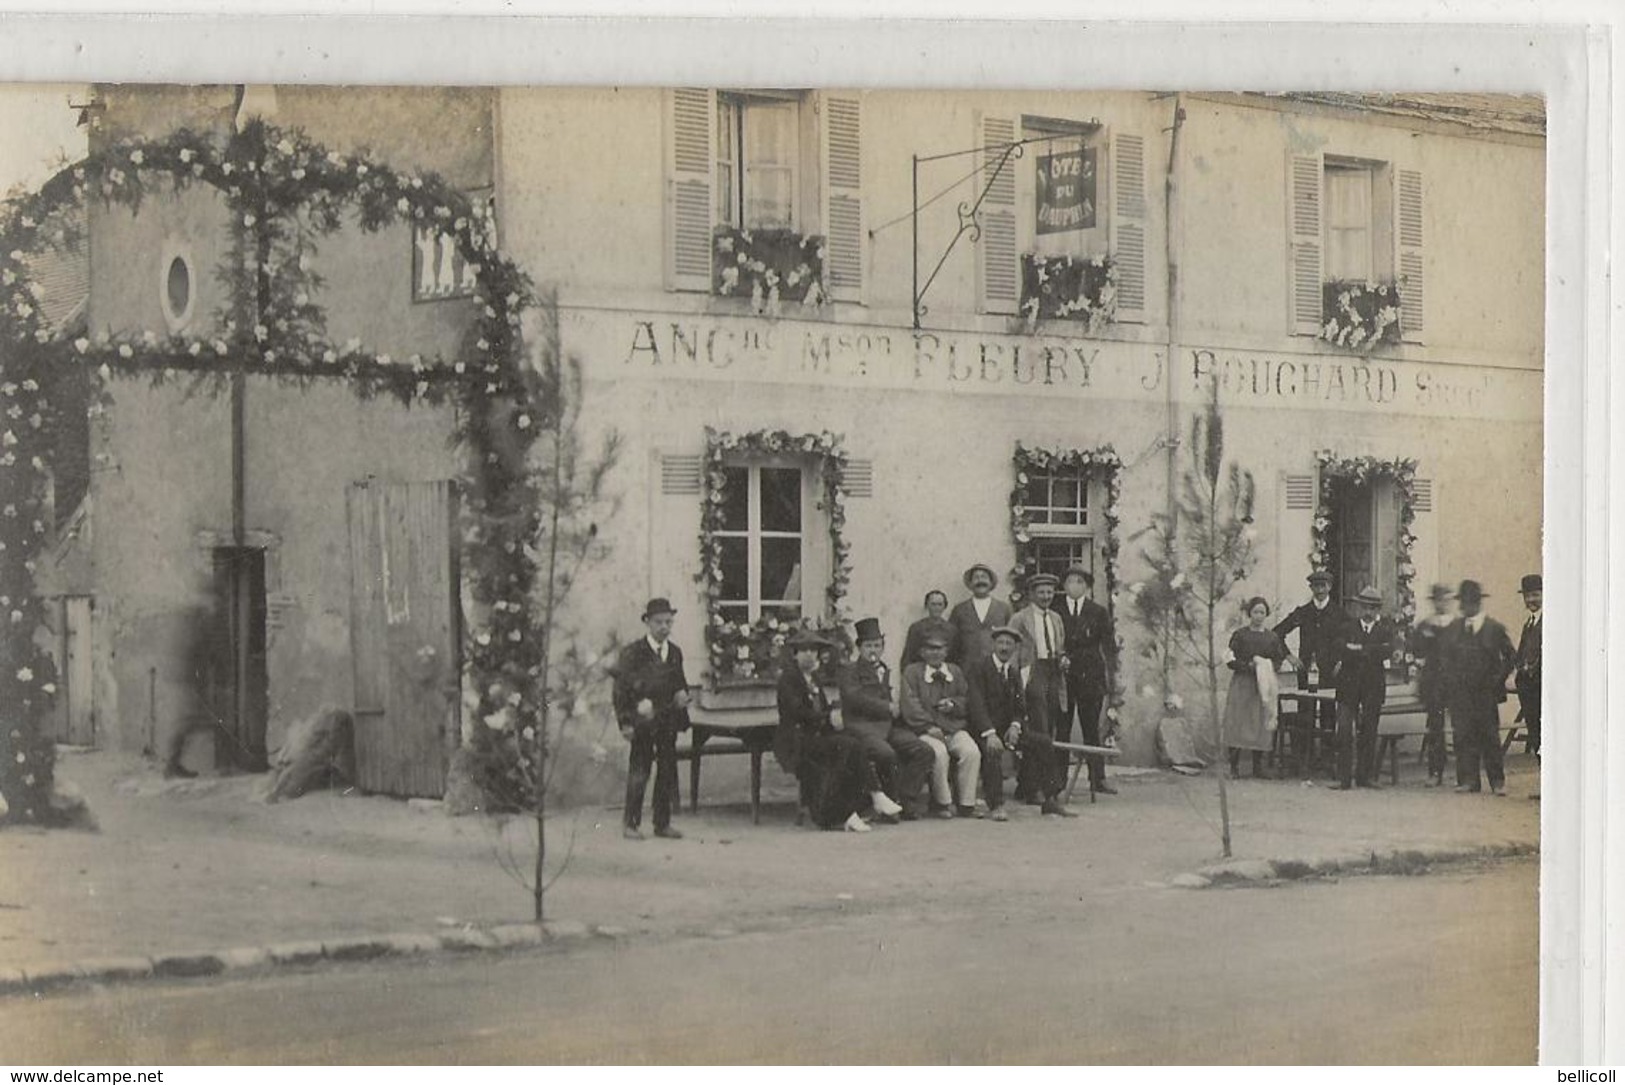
{"x":137,"y":157}
{"x":1178,"y":581}
{"x":402,"y":205}
{"x":49,"y":687}
{"x":9,"y":439}
{"x":330,"y":357}
{"x":248,"y":219}
{"x":286,"y":146}
{"x":104,"y":372}
{"x":186,"y":154}
{"x":523,"y":421}
{"x":81,"y":344}
{"x":25,"y":675}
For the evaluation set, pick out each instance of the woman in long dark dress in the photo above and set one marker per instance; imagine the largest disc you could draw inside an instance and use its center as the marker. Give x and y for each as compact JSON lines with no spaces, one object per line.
{"x":1247,"y":715}
{"x":837,"y":779}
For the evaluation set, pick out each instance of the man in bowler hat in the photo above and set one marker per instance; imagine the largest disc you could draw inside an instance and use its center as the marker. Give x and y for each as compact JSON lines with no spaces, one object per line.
{"x":1361,"y":651}
{"x":1089,"y":640}
{"x":1478,"y":658}
{"x":974,"y":619}
{"x":651,"y":705}
{"x":1527,"y":675}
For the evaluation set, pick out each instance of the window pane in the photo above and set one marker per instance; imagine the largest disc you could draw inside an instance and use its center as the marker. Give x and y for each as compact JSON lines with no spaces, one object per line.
{"x":735,"y":569}
{"x":1065,"y":496}
{"x":769,"y":153}
{"x":1348,"y":223}
{"x":781,"y":499}
{"x":736,"y":499}
{"x":781,"y":569}
{"x":1055,"y":556}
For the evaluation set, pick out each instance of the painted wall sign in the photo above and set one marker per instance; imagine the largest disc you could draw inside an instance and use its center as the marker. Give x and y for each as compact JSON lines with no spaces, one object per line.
{"x":1066,"y":191}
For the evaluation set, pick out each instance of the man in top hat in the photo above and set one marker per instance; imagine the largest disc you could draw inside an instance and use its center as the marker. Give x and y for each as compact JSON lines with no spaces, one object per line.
{"x":936,"y":605}
{"x":974,"y":619}
{"x":1362,"y":650}
{"x":1317,"y":623}
{"x":651,"y":705}
{"x":837,"y":778}
{"x":1426,"y":645}
{"x":870,"y":713}
{"x":1089,"y":640}
{"x":934,"y":707}
{"x":995,"y":708}
{"x":1526,"y":677}
{"x":1478,"y":657}
{"x":1043,"y":642}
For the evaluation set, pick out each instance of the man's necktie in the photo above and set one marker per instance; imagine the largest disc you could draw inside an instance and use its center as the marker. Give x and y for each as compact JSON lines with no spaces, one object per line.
{"x":1049,"y":646}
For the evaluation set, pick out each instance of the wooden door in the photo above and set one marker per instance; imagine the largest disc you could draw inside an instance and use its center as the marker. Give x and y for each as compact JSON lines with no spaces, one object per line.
{"x":1357,"y":552}
{"x":404,"y":634}
{"x":75,"y":717}
{"x":241,"y":690}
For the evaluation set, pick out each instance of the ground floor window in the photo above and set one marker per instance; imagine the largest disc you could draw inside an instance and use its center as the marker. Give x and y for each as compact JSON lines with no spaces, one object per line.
{"x":761,"y":540}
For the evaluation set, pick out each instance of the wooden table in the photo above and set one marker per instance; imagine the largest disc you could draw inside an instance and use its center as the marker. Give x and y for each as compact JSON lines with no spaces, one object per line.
{"x":753,"y":736}
{"x":1070,"y":748}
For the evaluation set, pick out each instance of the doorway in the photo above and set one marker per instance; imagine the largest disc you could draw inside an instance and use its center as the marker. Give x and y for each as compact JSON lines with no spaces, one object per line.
{"x":240,"y":690}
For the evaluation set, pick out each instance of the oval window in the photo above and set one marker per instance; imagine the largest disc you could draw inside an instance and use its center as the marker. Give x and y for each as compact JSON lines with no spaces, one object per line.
{"x":178,"y":286}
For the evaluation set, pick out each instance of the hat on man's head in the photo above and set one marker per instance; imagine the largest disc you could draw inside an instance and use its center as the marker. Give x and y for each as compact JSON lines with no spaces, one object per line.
{"x":1042,"y":578}
{"x":1470,"y":591}
{"x":1005,"y":631}
{"x":980,"y":568}
{"x":1530,"y":583}
{"x":1320,"y":576}
{"x":1441,"y":591}
{"x":867,"y":629}
{"x":1078,"y":570}
{"x":1368,"y":595}
{"x":807,"y":638}
{"x":934,"y":639}
{"x":658,"y":605}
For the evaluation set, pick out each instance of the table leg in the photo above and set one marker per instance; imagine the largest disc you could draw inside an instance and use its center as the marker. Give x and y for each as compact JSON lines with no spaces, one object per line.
{"x":698,"y":742}
{"x":756,"y":787}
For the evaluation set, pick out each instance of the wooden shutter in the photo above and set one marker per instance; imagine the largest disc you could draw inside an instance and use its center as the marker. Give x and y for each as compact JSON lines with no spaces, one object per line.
{"x":1128,"y":225}
{"x":845,"y":247}
{"x":691,"y":122}
{"x":998,"y":270}
{"x":1305,"y":179}
{"x":1408,"y":251}
{"x":1299,"y":494}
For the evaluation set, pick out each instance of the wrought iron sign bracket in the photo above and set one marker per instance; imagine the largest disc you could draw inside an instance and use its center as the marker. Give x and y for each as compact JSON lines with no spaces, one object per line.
{"x":969,"y":215}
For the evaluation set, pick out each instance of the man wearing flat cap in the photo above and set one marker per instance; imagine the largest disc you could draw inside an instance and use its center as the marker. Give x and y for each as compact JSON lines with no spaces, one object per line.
{"x":974,"y":619}
{"x":1478,"y":659}
{"x":996,"y":709}
{"x":934,"y":708}
{"x":1317,"y":623}
{"x":1043,"y":642}
{"x":651,"y":705}
{"x":1362,"y":650}
{"x":1527,"y":675}
{"x":1426,"y":644}
{"x":1089,"y":643}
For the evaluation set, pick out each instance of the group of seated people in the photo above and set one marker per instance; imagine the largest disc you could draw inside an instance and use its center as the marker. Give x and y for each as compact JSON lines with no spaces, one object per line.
{"x":922,"y":747}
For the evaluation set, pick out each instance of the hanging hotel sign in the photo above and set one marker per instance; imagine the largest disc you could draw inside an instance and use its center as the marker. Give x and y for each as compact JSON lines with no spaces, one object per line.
{"x":1066,"y":191}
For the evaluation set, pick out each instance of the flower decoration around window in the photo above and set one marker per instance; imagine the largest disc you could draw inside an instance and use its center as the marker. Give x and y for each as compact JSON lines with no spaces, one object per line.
{"x":1360,"y":315}
{"x":1077,"y":288}
{"x":770,"y":267}
{"x":1104,"y":463}
{"x":1337,"y":471}
{"x":754,"y":652}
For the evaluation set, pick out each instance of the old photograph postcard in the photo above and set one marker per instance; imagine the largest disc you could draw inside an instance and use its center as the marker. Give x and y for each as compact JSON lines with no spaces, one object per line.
{"x":770,"y":571}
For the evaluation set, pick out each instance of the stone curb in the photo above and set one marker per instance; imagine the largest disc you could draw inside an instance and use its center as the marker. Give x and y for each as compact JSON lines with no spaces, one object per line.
{"x":33,"y":979}
{"x":1414,"y":860}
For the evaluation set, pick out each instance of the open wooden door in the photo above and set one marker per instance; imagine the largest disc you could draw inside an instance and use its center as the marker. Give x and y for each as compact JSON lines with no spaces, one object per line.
{"x":405,"y":634}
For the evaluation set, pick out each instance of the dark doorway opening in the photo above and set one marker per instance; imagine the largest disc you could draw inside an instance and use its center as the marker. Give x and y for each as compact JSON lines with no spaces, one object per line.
{"x":241,"y":687}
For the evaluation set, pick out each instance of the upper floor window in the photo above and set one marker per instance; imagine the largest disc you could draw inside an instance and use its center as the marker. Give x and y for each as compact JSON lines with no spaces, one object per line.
{"x":1053,"y":218}
{"x":1352,"y":221}
{"x":785,"y":166}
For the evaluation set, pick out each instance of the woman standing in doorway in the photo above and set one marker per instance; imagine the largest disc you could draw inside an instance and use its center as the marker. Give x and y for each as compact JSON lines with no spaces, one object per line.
{"x":1249,"y":710}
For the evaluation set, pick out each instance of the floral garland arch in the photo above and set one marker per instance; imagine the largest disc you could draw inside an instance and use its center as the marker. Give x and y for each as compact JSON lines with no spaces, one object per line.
{"x":283,"y":192}
{"x":1360,"y":470}
{"x":1106,"y":461}
{"x":738,"y":651}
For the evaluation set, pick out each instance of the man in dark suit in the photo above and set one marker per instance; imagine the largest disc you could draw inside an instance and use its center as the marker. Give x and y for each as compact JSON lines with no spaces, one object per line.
{"x":1478,"y":658}
{"x":1089,"y":639}
{"x":1527,"y":675}
{"x":1427,"y":644}
{"x":651,"y":705}
{"x":974,"y":619}
{"x":995,"y":703}
{"x":1316,"y":623}
{"x":934,"y":708}
{"x":1362,"y":650}
{"x":869,"y":710}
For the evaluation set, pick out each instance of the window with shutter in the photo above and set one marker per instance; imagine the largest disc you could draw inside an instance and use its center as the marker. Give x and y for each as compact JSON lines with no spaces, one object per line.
{"x":1294,"y":527}
{"x":1408,"y":238}
{"x":1129,"y":225}
{"x":1305,"y":176}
